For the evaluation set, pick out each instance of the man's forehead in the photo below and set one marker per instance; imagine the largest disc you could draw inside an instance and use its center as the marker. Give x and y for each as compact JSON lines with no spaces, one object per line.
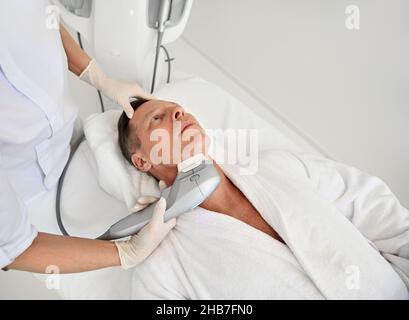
{"x":147,"y":108}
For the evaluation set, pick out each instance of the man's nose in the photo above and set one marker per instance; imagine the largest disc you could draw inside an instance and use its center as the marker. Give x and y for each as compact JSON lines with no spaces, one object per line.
{"x":178,"y":113}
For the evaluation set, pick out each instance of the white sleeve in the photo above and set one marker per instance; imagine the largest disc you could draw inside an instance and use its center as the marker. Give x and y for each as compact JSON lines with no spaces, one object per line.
{"x":368,"y":203}
{"x":16,"y":231}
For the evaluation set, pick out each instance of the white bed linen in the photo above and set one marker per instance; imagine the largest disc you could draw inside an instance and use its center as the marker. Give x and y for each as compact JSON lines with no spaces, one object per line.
{"x":339,"y":224}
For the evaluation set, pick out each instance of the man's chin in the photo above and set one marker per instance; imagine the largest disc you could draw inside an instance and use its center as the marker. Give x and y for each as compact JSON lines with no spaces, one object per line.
{"x":192,"y":149}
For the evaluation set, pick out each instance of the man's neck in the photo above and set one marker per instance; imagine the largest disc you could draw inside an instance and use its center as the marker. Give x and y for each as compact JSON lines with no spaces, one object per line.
{"x":228,"y":199}
{"x":222,"y":199}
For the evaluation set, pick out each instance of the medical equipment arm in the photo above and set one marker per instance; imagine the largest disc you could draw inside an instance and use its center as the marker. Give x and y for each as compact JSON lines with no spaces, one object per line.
{"x":141,"y":245}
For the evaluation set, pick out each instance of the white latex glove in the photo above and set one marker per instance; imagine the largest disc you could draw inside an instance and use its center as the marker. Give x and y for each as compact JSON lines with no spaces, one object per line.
{"x":118,"y":91}
{"x":140,"y":246}
{"x":143,"y":201}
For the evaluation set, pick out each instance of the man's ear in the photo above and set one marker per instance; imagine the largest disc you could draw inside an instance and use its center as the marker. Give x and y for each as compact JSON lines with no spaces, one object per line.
{"x":140,"y":163}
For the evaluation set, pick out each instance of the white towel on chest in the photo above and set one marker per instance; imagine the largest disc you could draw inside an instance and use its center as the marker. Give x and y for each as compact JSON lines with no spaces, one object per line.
{"x":329,"y":215}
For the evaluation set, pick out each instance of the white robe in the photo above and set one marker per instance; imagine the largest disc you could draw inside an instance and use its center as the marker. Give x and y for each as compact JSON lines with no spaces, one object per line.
{"x":339,"y":225}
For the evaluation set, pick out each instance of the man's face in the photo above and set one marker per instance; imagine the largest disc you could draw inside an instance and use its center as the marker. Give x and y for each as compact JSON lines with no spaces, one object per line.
{"x":167,"y":134}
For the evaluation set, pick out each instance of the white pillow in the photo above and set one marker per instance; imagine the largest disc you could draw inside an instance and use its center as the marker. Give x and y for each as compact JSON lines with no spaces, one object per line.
{"x":115,"y":175}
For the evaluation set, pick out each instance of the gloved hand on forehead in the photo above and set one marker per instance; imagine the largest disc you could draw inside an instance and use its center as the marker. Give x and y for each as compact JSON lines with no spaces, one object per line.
{"x":118,"y":91}
{"x":141,"y":245}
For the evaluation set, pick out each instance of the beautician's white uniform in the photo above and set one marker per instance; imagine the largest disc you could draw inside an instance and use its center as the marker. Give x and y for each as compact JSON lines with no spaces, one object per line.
{"x":36,"y":119}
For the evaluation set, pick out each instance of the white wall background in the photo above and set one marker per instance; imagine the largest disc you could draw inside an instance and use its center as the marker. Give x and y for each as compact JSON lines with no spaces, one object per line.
{"x":347,"y":90}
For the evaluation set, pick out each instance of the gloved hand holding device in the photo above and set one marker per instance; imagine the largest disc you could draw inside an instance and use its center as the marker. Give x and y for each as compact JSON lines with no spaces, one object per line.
{"x":141,"y":245}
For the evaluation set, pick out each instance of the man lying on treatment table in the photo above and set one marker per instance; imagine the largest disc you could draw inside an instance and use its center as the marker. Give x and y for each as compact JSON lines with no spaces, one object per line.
{"x":301,"y":227}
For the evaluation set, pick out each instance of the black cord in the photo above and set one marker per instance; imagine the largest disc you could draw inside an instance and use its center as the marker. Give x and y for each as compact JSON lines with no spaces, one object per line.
{"x":170,"y":9}
{"x":101,"y":101}
{"x":80,"y":40}
{"x":73,"y":151}
{"x":61,"y":183}
{"x":155,"y":64}
{"x":168,"y":60}
{"x":82,"y":138}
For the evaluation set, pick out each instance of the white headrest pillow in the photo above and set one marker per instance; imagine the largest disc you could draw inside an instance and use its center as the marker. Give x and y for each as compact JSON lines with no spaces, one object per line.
{"x":116,"y":176}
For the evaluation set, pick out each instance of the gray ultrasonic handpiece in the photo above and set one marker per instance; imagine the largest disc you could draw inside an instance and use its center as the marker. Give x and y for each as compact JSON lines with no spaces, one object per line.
{"x":189,"y":190}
